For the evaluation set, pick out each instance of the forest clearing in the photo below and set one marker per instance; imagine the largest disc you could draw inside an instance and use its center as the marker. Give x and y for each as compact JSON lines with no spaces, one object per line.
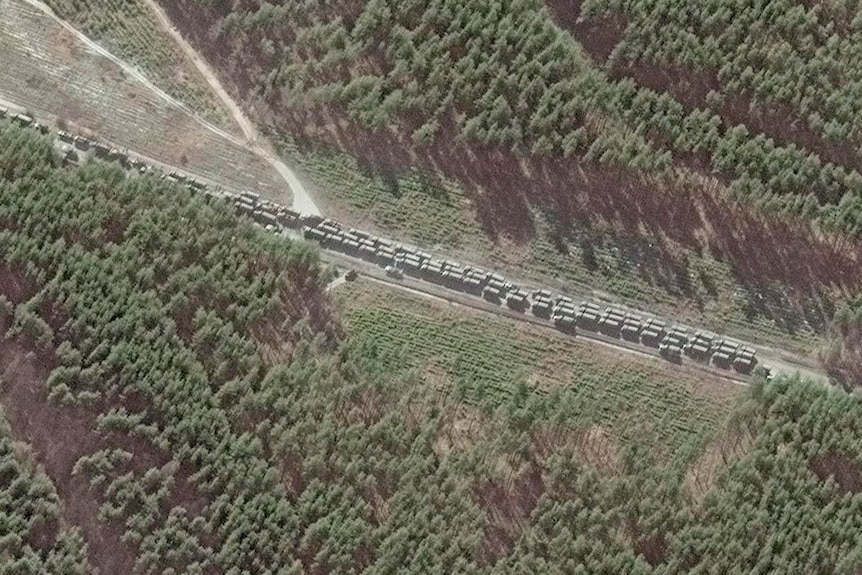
{"x":470,"y":350}
{"x":132,"y":32}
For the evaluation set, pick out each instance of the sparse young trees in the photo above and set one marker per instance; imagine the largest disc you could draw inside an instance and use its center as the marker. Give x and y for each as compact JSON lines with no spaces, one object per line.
{"x":33,"y":538}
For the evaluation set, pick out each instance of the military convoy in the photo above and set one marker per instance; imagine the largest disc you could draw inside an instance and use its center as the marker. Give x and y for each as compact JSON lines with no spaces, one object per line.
{"x":23,"y":120}
{"x":399,"y":260}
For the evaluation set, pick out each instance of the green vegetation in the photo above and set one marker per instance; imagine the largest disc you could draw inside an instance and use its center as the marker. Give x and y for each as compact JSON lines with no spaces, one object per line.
{"x":842,"y":354}
{"x":651,"y":271}
{"x":183,"y":379}
{"x":496,"y":132}
{"x":490,"y":359}
{"x":131,"y":30}
{"x":802,"y":57}
{"x":409,"y":203}
{"x":502,"y":75}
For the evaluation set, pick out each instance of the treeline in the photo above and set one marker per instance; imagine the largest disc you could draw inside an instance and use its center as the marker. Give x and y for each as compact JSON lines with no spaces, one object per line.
{"x":502,"y":75}
{"x":238,"y":430}
{"x":131,"y":279}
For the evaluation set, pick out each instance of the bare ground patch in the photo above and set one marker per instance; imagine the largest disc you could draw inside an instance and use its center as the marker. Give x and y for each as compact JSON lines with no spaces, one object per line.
{"x":598,"y":36}
{"x":56,"y":75}
{"x":845,"y":470}
{"x":508,"y":502}
{"x":59,"y":437}
{"x":651,"y":546}
{"x":14,"y":283}
{"x":704,"y":471}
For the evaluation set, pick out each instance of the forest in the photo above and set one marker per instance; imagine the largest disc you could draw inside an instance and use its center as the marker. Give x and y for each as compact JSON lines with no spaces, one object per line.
{"x":505,"y":75}
{"x":180,"y":396}
{"x":570,"y":126}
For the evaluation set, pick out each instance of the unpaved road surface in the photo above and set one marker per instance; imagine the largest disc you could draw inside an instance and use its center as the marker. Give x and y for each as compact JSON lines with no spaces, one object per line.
{"x":252,"y":141}
{"x":131,"y":71}
{"x":302,"y":201}
{"x":374,"y":273}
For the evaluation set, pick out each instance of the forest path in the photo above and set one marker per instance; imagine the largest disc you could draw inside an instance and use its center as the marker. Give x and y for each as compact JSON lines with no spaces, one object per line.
{"x":252,"y":141}
{"x":302,"y":201}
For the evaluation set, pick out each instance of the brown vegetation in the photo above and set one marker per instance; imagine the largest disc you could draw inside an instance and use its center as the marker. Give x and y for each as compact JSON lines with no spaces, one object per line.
{"x":59,"y":436}
{"x":691,"y":87}
{"x":844,"y":470}
{"x":507,"y":504}
{"x":652,"y":547}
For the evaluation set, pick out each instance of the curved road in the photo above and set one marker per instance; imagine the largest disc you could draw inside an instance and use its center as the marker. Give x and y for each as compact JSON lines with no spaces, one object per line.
{"x":301,"y":200}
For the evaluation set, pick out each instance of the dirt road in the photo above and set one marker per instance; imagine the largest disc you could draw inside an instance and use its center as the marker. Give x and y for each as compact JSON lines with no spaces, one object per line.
{"x":254,"y":142}
{"x":302,"y":201}
{"x":373,"y":273}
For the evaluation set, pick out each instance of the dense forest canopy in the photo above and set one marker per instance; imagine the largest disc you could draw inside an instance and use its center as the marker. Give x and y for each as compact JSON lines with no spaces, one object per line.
{"x":504,"y":75}
{"x":193,"y":398}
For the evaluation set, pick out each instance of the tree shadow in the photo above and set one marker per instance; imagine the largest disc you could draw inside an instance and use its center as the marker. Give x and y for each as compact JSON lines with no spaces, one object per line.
{"x":659,"y":220}
{"x":690,"y":86}
{"x":656,"y":219}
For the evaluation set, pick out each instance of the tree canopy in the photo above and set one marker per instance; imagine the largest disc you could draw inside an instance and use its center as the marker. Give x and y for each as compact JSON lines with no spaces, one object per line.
{"x":228,"y":424}
{"x":505,"y":76}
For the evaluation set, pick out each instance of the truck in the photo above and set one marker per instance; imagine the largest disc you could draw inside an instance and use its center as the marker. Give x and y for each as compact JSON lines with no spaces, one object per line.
{"x":394,"y":272}
{"x":670,"y":352}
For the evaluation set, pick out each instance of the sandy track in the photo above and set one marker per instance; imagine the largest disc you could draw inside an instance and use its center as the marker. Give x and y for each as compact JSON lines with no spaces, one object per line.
{"x":130,"y":70}
{"x":253,"y":142}
{"x":302,"y":201}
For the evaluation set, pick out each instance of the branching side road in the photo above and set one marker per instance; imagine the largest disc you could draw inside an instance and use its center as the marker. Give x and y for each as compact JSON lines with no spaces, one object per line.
{"x":302,"y":201}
